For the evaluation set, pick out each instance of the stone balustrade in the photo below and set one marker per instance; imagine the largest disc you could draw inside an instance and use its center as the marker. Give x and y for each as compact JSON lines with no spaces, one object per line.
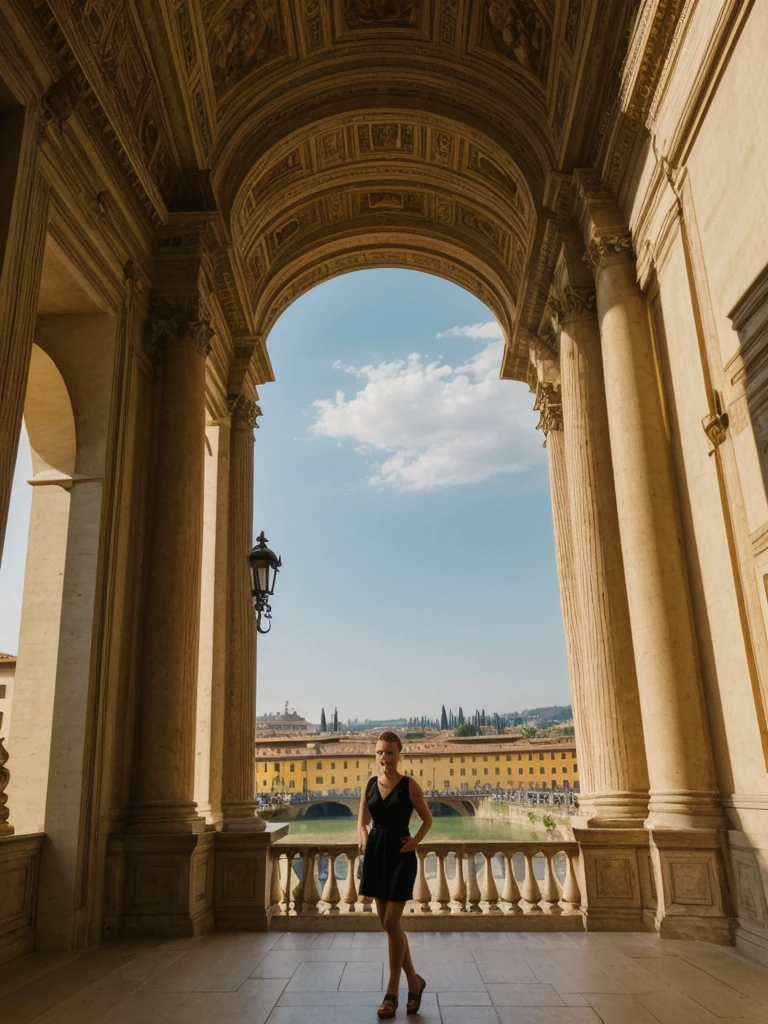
{"x":504,"y":885}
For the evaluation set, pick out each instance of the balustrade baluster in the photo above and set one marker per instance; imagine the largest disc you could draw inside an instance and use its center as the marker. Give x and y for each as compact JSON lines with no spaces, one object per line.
{"x":571,"y":893}
{"x":489,"y":890}
{"x":511,"y":891}
{"x":531,"y":892}
{"x":331,"y":893}
{"x":473,"y":889}
{"x":442,"y":894}
{"x":276,"y":887}
{"x":311,"y":894}
{"x":460,"y":885}
{"x":550,"y":890}
{"x":350,"y":888}
{"x":295,"y":890}
{"x":421,"y":893}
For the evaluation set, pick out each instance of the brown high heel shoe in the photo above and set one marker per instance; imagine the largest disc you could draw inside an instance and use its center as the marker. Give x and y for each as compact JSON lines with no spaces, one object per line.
{"x":414,"y":998}
{"x":388,"y":1007}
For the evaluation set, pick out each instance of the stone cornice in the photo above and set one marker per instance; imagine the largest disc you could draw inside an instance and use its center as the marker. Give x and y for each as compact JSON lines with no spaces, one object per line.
{"x":649,"y":46}
{"x":54,"y":50}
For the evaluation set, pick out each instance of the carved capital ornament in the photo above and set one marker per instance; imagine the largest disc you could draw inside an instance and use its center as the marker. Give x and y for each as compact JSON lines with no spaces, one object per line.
{"x":244,"y":412}
{"x":177,"y":330}
{"x":577,"y":302}
{"x":603,"y":247}
{"x":549,"y":405}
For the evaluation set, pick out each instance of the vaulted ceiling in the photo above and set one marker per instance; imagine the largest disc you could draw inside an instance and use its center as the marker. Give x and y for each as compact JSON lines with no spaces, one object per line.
{"x":337,"y":134}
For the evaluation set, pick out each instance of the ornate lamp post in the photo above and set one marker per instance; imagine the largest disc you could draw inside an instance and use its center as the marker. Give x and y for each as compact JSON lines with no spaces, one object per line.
{"x":265,"y":566}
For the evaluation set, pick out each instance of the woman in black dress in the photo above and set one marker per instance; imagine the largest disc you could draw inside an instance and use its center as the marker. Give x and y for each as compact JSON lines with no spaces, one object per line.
{"x":389,"y":864}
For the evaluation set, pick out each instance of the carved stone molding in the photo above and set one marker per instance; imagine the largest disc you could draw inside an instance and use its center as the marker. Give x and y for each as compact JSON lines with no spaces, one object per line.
{"x":61,"y":100}
{"x":549,"y":405}
{"x":648,"y":52}
{"x":603,"y":247}
{"x":243,"y":411}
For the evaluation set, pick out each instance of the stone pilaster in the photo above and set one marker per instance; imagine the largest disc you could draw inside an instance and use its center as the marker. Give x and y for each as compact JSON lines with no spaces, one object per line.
{"x":23,"y":223}
{"x":615,"y":792}
{"x":238,"y":769}
{"x":164,"y":772}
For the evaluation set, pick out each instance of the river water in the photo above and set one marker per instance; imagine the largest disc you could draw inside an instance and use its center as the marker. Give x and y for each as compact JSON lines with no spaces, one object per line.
{"x":344,"y":830}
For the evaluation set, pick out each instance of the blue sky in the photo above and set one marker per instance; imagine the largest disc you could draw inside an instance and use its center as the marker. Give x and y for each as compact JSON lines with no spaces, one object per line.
{"x":406,"y":489}
{"x":412,"y":514}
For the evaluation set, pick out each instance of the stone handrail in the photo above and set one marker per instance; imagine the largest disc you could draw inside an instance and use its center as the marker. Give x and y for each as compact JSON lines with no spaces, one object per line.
{"x":531,"y":878}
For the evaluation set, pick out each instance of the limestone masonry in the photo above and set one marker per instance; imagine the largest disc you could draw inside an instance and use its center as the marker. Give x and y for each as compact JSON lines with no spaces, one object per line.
{"x":172,"y":176}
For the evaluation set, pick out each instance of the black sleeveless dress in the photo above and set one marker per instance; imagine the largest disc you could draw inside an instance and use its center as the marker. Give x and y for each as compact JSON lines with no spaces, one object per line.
{"x":387,"y":873}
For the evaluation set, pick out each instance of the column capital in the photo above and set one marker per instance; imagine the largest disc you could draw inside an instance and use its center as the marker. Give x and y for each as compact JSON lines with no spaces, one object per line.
{"x":172,"y":324}
{"x":576,"y":302}
{"x":603,"y":248}
{"x":243,"y":411}
{"x":549,"y":405}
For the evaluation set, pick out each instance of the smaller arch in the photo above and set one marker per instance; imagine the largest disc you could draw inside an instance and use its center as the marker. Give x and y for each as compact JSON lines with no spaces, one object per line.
{"x":441,"y":809}
{"x":50,"y":420}
{"x":327,"y":809}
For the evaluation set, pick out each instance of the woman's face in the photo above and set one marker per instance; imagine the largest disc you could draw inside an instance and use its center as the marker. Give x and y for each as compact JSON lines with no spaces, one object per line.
{"x":387,"y":756}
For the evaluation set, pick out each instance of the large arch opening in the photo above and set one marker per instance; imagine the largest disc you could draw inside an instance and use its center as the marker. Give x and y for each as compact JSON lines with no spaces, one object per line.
{"x":450,"y":451}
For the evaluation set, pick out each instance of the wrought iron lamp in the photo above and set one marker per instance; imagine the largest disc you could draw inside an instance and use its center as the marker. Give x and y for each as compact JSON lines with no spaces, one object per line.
{"x":265,"y":566}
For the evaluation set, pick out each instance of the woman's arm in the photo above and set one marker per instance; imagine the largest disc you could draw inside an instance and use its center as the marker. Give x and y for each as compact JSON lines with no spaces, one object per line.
{"x":420,"y":806}
{"x":363,"y":819}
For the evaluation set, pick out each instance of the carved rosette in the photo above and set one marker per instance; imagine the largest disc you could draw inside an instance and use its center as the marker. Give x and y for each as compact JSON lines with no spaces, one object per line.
{"x":549,"y":405}
{"x":244,"y":412}
{"x":605,"y":247}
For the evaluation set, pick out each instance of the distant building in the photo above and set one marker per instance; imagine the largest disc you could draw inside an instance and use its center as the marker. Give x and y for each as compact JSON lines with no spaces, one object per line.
{"x":7,"y":674}
{"x":283,"y":723}
{"x":444,"y":763}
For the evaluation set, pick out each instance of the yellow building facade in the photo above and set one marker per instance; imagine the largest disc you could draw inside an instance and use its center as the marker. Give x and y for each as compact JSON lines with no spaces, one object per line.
{"x":446,"y":767}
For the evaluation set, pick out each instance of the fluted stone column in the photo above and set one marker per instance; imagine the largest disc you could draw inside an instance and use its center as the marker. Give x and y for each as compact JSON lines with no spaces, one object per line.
{"x":549,"y":404}
{"x":164,"y":780}
{"x":238,"y":768}
{"x":617,"y":790}
{"x":679,"y":751}
{"x":23,"y":221}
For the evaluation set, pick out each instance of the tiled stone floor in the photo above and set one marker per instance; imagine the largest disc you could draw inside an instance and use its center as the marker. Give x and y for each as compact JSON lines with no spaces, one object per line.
{"x":473,"y":978}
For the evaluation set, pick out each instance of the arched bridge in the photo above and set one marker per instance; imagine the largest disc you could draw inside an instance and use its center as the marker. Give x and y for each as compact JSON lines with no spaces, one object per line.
{"x":343,"y":807}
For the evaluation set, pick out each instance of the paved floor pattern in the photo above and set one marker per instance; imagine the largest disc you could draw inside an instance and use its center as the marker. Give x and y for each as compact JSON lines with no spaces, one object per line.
{"x":473,"y":978}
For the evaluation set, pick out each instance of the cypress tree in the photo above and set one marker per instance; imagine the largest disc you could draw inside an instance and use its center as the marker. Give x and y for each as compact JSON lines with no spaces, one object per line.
{"x":443,"y":719}
{"x":323,"y":723}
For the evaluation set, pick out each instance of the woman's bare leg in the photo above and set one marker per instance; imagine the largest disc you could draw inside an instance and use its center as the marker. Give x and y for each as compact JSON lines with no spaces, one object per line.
{"x":399,"y":950}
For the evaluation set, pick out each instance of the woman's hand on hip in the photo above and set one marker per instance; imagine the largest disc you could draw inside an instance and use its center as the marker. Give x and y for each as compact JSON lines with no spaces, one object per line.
{"x":409,"y":844}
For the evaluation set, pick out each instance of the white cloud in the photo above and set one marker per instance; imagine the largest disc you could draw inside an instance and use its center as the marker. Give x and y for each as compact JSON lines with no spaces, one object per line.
{"x":488,"y":330}
{"x":423,"y":424}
